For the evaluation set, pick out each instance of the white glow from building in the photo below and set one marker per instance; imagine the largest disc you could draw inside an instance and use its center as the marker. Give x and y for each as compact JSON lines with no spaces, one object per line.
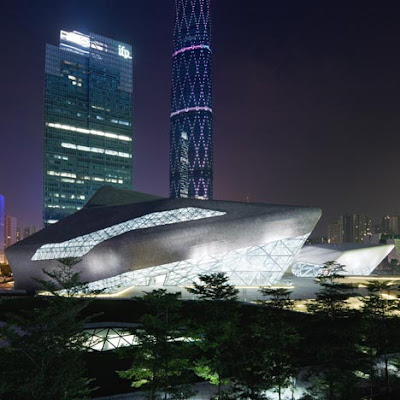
{"x":356,"y":261}
{"x":96,"y":150}
{"x":104,"y":339}
{"x":88,"y":178}
{"x":89,"y":131}
{"x":63,"y":174}
{"x":260,"y":265}
{"x":76,"y":38}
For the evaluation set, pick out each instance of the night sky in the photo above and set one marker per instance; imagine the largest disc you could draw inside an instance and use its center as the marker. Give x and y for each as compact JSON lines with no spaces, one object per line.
{"x":306,"y":98}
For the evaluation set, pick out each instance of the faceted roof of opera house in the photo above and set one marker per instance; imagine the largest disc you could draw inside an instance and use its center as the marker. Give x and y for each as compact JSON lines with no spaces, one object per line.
{"x":119,"y":231}
{"x":109,"y":196}
{"x":356,"y":258}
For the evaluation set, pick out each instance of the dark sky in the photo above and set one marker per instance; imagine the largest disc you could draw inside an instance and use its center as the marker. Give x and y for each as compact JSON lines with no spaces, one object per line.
{"x":306,"y":98}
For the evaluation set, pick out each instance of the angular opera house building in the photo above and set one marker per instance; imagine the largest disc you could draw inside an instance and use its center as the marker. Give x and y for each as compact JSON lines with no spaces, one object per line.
{"x":127,"y":239}
{"x":357,"y":259}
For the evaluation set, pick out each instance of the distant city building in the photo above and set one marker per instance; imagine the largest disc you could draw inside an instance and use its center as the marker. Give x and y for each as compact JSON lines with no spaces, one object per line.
{"x":385,"y":224}
{"x":356,"y":228}
{"x":2,"y":239}
{"x":19,"y":234}
{"x":10,"y":231}
{"x":335,"y":232}
{"x":351,"y":228}
{"x":391,"y":225}
{"x":191,"y":139}
{"x":30,"y":230}
{"x":88,"y":120}
{"x":316,"y":240}
{"x":377,"y":228}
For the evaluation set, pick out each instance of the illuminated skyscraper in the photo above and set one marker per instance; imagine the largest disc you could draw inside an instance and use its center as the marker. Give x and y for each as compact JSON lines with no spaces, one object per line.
{"x":88,"y":120}
{"x":191,"y":139}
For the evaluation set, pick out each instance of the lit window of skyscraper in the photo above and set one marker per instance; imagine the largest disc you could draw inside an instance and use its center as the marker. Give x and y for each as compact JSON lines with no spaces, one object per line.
{"x":191,"y":141}
{"x":88,"y":120}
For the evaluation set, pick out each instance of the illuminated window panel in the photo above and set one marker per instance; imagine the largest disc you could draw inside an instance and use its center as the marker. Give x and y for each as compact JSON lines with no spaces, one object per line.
{"x":96,"y":150}
{"x":307,"y":270}
{"x":81,"y":245}
{"x":106,"y":339}
{"x":89,"y":131}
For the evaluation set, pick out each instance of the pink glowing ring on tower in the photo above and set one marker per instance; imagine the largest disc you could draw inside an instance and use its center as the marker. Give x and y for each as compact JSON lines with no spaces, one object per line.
{"x":185,"y":110}
{"x":199,"y":46}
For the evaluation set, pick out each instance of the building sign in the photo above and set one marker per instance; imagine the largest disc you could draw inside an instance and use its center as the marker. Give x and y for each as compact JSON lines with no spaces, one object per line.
{"x":124,"y":52}
{"x":84,"y":41}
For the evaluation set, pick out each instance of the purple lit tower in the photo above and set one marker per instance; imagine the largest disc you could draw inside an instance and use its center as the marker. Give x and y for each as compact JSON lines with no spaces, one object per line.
{"x":191,"y":147}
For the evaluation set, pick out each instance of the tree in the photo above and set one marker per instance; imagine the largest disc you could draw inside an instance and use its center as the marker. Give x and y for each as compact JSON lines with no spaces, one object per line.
{"x":264,"y":356}
{"x":335,"y":338}
{"x":160,"y":357}
{"x":331,"y":299}
{"x":42,"y":358}
{"x":64,"y":280}
{"x":214,"y":287}
{"x":215,"y":325}
{"x":281,"y":336}
{"x":251,"y":375}
{"x":379,"y":335}
{"x":279,"y":298}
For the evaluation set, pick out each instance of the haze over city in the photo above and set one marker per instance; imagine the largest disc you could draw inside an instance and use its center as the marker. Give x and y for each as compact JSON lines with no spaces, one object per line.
{"x":305,"y":99}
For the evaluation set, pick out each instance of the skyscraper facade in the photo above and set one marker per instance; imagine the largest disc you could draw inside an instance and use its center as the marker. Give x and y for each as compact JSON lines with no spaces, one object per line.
{"x":335,"y":232}
{"x":356,"y":228}
{"x":391,"y":225}
{"x":350,"y":228}
{"x":10,"y":231}
{"x":29,"y":230}
{"x":88,"y":120}
{"x":191,"y":139}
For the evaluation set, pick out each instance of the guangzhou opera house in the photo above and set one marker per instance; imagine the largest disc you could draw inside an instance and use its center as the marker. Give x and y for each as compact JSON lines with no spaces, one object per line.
{"x":126,"y":239}
{"x":356,"y":259}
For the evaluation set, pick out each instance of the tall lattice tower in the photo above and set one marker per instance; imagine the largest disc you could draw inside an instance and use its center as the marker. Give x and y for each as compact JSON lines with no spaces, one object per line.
{"x":191,"y":140}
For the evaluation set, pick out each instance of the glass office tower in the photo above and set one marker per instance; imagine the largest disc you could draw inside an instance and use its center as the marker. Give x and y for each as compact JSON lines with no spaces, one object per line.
{"x":191,"y":142}
{"x":88,"y":120}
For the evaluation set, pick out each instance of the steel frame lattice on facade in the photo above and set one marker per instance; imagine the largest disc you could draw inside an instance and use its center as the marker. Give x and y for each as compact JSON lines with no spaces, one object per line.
{"x":250,"y":266}
{"x":105,"y":339}
{"x":191,"y":108}
{"x":81,"y":245}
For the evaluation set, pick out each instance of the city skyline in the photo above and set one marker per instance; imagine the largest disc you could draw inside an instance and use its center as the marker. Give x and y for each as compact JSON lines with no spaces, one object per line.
{"x":306,"y":97}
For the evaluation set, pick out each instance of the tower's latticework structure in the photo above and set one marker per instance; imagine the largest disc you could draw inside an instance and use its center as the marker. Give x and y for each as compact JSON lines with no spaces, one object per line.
{"x":191,"y":147}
